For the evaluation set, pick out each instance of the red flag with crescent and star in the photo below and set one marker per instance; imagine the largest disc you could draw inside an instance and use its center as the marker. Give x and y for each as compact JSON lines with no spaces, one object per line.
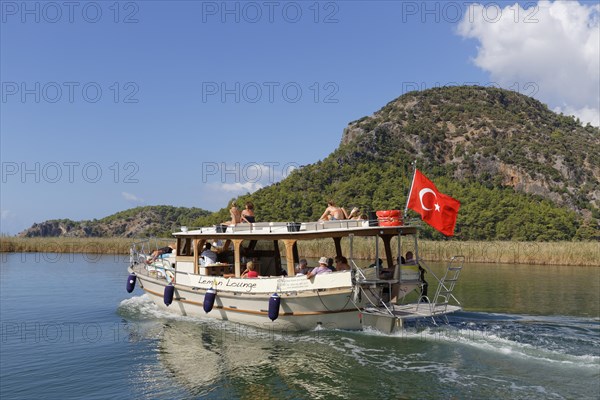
{"x":436,"y":208}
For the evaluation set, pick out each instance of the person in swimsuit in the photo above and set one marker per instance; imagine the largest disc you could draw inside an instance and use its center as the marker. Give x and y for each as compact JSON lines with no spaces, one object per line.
{"x":354,"y":214}
{"x":157,"y":253}
{"x":333,"y":212}
{"x":236,"y":215}
{"x":248,"y":213}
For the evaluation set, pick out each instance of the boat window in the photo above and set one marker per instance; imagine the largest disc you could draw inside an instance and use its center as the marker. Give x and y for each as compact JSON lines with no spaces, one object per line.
{"x":265,"y":254}
{"x":184,"y":247}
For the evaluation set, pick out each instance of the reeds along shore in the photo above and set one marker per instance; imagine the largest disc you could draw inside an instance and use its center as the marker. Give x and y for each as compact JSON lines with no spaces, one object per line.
{"x":542,"y":253}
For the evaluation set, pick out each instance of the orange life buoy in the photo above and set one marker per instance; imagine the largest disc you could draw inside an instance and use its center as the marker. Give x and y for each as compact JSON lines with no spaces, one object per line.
{"x":388,"y":213}
{"x":389,"y":217}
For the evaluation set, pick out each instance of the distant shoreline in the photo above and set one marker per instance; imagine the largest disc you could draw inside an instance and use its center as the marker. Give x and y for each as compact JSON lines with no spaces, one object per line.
{"x":496,"y":252}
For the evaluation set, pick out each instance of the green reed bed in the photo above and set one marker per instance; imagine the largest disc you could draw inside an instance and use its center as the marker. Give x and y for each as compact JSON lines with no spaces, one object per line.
{"x":544,"y":253}
{"x":65,"y":245}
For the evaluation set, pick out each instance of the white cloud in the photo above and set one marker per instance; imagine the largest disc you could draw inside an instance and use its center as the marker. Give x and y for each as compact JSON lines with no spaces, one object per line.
{"x":241,"y":188}
{"x":227,"y":180}
{"x":243,"y":174}
{"x":585,"y":114}
{"x":132,"y":198}
{"x":5,"y":214}
{"x":554,"y":45}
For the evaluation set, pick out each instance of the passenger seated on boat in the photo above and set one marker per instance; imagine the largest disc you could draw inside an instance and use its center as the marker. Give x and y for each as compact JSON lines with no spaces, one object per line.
{"x":208,"y":256}
{"x":409,"y":259}
{"x":248,"y":213}
{"x":341,"y":263}
{"x":384,"y":273}
{"x":392,"y":273}
{"x":302,"y":268}
{"x":424,"y":285}
{"x":321,"y":269}
{"x":333,"y":212}
{"x":249,"y":272}
{"x":330,"y":264}
{"x":158,"y":252}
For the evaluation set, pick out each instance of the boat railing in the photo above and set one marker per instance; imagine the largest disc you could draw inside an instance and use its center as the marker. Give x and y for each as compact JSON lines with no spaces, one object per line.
{"x":141,"y":248}
{"x":280,"y":227}
{"x":138,"y":251}
{"x":361,"y":275}
{"x":445,"y":288}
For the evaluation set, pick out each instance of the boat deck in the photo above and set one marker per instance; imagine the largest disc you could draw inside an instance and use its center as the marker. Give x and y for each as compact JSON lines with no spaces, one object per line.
{"x":297,"y":230}
{"x":423,"y":310}
{"x":391,"y":318}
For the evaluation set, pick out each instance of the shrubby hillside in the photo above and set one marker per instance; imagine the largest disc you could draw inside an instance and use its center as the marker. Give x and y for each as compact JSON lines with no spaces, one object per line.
{"x":135,"y":222}
{"x":521,"y":171}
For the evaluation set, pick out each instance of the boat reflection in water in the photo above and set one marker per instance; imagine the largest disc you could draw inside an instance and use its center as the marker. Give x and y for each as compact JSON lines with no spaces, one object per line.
{"x":207,"y":356}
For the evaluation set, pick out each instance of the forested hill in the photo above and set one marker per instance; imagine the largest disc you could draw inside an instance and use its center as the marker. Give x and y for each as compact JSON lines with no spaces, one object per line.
{"x":135,"y":222}
{"x":521,"y":171}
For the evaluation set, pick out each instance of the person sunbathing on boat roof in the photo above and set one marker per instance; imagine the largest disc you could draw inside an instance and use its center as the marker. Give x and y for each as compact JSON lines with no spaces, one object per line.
{"x":248,"y":213}
{"x":333,"y":212}
{"x":354,"y":213}
{"x":235,"y":213}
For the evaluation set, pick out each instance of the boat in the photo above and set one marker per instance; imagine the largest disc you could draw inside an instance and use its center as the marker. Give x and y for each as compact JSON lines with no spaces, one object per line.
{"x":374,"y":297}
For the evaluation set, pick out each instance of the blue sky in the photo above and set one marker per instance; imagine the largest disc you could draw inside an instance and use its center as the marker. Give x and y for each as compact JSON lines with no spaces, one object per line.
{"x":106,"y":106}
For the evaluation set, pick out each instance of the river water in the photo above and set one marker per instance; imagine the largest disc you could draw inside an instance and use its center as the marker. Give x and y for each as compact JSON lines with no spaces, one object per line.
{"x":69,"y":330}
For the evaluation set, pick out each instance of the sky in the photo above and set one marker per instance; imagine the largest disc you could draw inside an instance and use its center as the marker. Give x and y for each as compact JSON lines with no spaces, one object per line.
{"x":110,"y":105}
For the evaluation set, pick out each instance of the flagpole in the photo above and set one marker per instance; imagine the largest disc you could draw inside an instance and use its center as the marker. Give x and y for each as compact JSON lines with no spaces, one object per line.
{"x":414,"y":163}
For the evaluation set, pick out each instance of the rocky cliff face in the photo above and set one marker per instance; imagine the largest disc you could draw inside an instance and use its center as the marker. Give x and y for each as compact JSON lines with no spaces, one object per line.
{"x":65,"y":228}
{"x":490,"y":135}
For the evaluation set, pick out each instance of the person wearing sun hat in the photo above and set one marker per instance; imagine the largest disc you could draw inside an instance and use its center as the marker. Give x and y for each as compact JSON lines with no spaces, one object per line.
{"x":321,"y":269}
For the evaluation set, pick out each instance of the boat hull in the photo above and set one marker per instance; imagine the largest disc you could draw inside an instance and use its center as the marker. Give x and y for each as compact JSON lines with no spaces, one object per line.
{"x":325,"y":306}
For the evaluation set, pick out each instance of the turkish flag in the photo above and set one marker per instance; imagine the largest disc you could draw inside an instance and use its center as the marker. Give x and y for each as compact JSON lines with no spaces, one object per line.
{"x":436,"y":208}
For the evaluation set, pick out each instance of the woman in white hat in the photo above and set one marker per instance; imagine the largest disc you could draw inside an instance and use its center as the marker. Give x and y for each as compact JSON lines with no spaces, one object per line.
{"x":321,"y":269}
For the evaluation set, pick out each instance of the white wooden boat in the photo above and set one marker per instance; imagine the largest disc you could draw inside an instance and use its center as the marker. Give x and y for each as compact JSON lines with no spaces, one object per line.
{"x":350,"y":299}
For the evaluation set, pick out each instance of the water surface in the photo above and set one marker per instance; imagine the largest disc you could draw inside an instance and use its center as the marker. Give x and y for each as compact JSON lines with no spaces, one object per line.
{"x":69,"y":330}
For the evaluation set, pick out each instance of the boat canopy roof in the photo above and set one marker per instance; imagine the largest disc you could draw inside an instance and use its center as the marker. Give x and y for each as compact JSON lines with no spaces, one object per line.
{"x":295,"y":230}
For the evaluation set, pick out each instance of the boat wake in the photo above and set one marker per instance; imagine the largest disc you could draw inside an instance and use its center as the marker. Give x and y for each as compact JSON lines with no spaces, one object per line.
{"x":142,"y":308}
{"x":569,"y":341}
{"x":502,"y":355}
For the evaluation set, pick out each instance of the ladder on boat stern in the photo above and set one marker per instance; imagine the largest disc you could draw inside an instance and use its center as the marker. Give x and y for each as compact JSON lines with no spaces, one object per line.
{"x":443,"y":293}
